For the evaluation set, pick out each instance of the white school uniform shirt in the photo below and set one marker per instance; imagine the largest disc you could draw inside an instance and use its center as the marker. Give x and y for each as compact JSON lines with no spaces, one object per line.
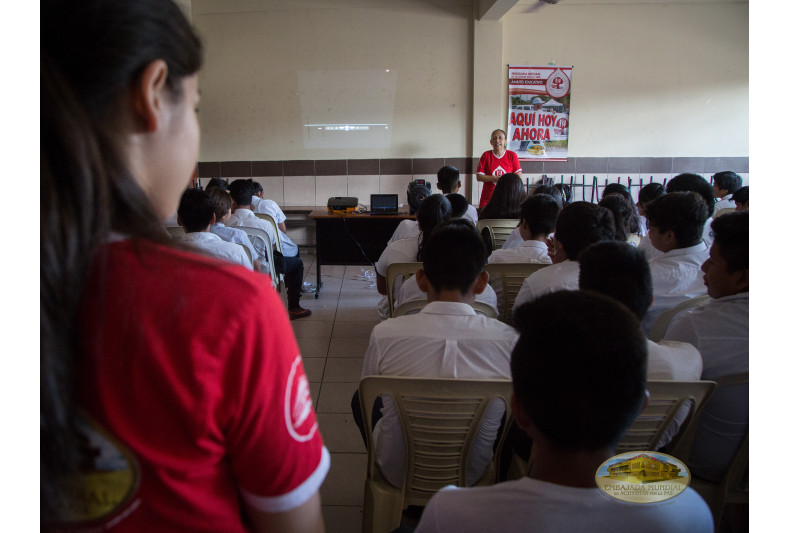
{"x":268,"y":207}
{"x":246,"y":218}
{"x":218,"y":248}
{"x":677,"y":277}
{"x":235,"y":235}
{"x":723,"y":203}
{"x":471,"y":214}
{"x":400,"y":251}
{"x":410,"y":291}
{"x":557,"y":277}
{"x":720,"y":330}
{"x":513,"y":240}
{"x":405,"y":230}
{"x":444,"y":340}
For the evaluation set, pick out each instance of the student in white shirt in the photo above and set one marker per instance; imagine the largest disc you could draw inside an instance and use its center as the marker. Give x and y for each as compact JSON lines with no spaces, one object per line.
{"x":741,"y":199}
{"x":514,"y":240}
{"x":720,"y":330}
{"x":696,"y":183}
{"x":195,"y":215}
{"x":725,"y":184}
{"x":222,"y":205}
{"x":578,"y":226}
{"x":676,"y":221}
{"x":447,"y":339}
{"x":648,"y":193}
{"x":565,"y":399}
{"x":448,"y":180}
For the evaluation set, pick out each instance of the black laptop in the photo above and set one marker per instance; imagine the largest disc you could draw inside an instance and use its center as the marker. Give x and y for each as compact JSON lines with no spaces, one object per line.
{"x":383,"y":204}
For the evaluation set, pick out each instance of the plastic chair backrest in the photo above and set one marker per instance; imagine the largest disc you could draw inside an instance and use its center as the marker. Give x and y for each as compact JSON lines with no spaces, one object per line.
{"x":666,"y":399}
{"x":731,"y":488}
{"x":263,"y":245}
{"x":175,"y":231}
{"x":498,"y":230}
{"x":271,"y":221}
{"x":246,"y":251}
{"x":512,"y":276}
{"x":661,"y":324}
{"x":440,"y":419}
{"x":415,"y":306}
{"x":395,"y":271}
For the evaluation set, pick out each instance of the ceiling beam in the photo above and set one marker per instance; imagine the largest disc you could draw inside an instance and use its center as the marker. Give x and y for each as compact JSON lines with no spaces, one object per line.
{"x":494,"y":9}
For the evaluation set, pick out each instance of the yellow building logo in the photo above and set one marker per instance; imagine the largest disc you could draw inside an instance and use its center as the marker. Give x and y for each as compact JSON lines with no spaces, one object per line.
{"x":643,"y":477}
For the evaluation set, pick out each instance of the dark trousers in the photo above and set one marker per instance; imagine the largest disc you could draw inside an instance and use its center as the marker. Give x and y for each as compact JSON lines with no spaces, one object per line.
{"x":356,"y":410}
{"x":294,"y":274}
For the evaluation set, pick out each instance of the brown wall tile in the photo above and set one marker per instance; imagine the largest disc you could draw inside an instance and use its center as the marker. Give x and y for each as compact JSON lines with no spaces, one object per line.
{"x":395,"y":166}
{"x":331,"y":167}
{"x":208,"y":169}
{"x":427,"y":166}
{"x":363,"y":167}
{"x":299,"y":168}
{"x":463,"y":164}
{"x":267,"y":168}
{"x":235,"y":169}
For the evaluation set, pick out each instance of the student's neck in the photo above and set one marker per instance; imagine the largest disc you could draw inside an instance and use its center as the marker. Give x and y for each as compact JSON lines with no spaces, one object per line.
{"x":451,"y":296}
{"x":247,"y":207}
{"x":569,"y":468}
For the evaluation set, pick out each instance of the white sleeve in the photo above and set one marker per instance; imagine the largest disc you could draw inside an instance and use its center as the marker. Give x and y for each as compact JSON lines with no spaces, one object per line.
{"x":524,"y":295}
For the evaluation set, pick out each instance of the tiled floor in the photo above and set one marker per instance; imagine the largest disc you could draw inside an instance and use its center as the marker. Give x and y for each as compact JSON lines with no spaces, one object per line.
{"x":333,"y":342}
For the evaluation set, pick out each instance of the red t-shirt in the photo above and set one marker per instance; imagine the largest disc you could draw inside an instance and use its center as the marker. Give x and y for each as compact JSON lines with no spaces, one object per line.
{"x":491,"y":165}
{"x":194,"y":385}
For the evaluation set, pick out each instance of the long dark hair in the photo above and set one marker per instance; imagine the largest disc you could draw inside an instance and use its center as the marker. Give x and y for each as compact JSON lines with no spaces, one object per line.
{"x":624,"y":217}
{"x":506,"y":198}
{"x":92,"y":51}
{"x":434,"y":210}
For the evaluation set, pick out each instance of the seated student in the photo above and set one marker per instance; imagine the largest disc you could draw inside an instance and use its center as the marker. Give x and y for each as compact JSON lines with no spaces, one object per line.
{"x":578,"y":226}
{"x":434,"y":210}
{"x":269,"y":207}
{"x":698,"y":184}
{"x":458,"y":206}
{"x":410,"y":290}
{"x":447,"y":339}
{"x":506,"y":202}
{"x":222,"y":205}
{"x":741,"y":199}
{"x":448,"y":180}
{"x":514,"y":240}
{"x":575,"y":423}
{"x":218,"y":183}
{"x":649,"y":192}
{"x":566,"y":192}
{"x":623,"y":192}
{"x":241,"y":194}
{"x":725,"y":184}
{"x":676,"y":221}
{"x":625,"y":221}
{"x":619,"y":270}
{"x":195,"y":215}
{"x":720,"y":330}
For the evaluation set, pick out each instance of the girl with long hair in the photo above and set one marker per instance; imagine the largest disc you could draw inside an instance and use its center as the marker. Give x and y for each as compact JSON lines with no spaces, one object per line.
{"x":506,"y":198}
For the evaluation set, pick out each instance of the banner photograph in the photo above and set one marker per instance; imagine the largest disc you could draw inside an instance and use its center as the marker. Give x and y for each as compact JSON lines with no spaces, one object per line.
{"x":539,"y":99}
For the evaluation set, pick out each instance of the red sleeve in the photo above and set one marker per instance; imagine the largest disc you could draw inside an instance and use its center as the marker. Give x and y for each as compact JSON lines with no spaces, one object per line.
{"x":515,"y":164}
{"x":481,"y":165}
{"x":275,"y":448}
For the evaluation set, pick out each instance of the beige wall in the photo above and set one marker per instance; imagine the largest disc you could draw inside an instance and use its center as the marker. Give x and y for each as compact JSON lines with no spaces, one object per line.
{"x":649,"y":80}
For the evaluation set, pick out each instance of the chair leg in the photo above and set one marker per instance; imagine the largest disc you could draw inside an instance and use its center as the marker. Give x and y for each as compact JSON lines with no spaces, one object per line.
{"x":383,"y":507}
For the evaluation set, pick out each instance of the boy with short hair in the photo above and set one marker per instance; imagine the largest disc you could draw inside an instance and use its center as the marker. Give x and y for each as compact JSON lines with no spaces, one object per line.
{"x":448,"y":180}
{"x":720,"y":330}
{"x":647,"y":194}
{"x":741,"y":199}
{"x":724,"y":185}
{"x":578,"y":226}
{"x":241,"y":193}
{"x":222,"y":206}
{"x":195,"y":215}
{"x":564,"y":398}
{"x":688,"y":182}
{"x":675,"y":224}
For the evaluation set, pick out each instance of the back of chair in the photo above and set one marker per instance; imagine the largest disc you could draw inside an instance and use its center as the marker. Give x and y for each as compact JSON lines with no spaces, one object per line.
{"x":415,"y":306}
{"x":666,"y":399}
{"x":263,"y":245}
{"x":661,"y":324}
{"x":512,"y":276}
{"x":175,"y":231}
{"x":497,"y":229}
{"x":247,"y":251}
{"x":395,"y":271}
{"x":270,"y":219}
{"x":440,"y":419}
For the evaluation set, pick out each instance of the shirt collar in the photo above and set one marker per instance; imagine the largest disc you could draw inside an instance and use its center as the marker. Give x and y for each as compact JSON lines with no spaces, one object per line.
{"x":449,"y":308}
{"x":535,"y":244}
{"x":690,"y":250}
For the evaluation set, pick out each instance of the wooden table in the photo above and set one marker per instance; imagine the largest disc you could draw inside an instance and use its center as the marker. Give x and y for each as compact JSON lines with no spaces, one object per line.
{"x":351,"y":238}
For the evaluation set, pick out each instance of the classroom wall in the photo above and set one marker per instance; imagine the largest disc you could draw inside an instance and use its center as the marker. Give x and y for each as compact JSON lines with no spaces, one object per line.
{"x":658,"y":89}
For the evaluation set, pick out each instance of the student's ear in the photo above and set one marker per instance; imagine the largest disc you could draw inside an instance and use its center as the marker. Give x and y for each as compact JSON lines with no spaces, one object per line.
{"x":178,"y":221}
{"x":742,"y":281}
{"x":422,"y":280}
{"x":213,"y":218}
{"x":480,"y":283}
{"x":520,"y":415}
{"x":148,"y":96}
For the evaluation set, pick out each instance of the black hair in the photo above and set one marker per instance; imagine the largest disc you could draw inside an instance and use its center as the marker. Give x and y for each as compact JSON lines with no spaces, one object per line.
{"x":617,"y":188}
{"x":650,"y":192}
{"x":221,"y":201}
{"x":454,"y":256}
{"x":540,"y":211}
{"x":623,"y":192}
{"x":684,"y":213}
{"x":731,"y":235}
{"x":434,"y":210}
{"x":447,"y":179}
{"x":195,"y":210}
{"x":566,"y":191}
{"x":256,"y":187}
{"x":458,"y":203}
{"x":728,"y":181}
{"x":741,"y":196}
{"x":584,"y":388}
{"x":241,"y":191}
{"x":582,"y":224}
{"x":619,"y":270}
{"x":217,"y":183}
{"x":552,"y":191}
{"x":92,"y":52}
{"x":693,"y":183}
{"x":624,"y":217}
{"x":506,"y":198}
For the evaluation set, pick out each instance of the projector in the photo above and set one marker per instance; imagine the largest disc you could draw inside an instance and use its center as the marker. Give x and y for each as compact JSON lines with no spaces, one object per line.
{"x":342,"y":204}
